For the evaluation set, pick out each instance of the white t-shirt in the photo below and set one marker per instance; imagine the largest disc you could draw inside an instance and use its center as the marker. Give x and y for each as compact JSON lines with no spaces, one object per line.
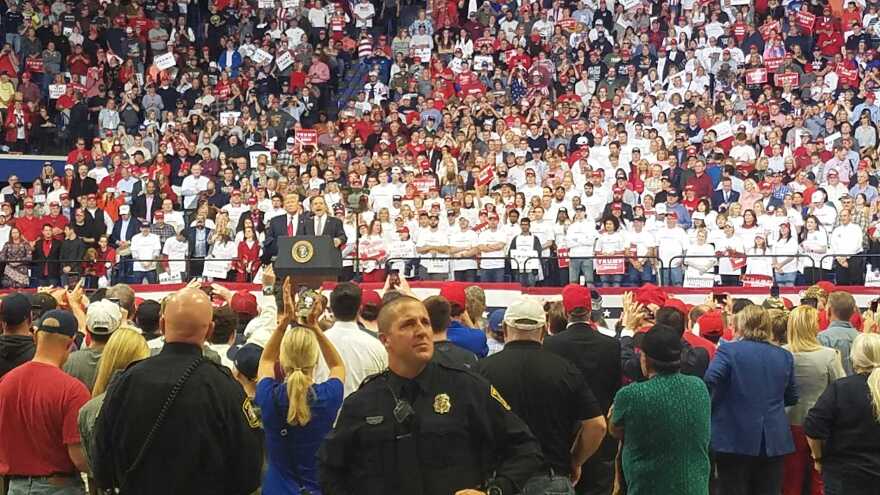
{"x":489,"y":236}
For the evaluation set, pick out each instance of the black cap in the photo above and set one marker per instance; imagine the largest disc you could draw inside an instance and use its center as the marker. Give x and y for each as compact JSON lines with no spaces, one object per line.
{"x":15,"y":308}
{"x":246,"y":359}
{"x":639,"y":218}
{"x":42,"y":302}
{"x":58,"y":321}
{"x":662,"y":343}
{"x":673,"y":192}
{"x":580,"y":208}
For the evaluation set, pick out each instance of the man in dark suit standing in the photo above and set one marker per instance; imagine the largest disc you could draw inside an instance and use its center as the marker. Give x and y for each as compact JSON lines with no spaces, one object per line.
{"x":292,"y":223}
{"x":45,"y":268}
{"x":145,"y":205}
{"x":322,"y":224}
{"x":197,"y":238}
{"x":597,"y":356}
{"x":724,"y":196}
{"x":255,"y":215}
{"x":123,"y":230}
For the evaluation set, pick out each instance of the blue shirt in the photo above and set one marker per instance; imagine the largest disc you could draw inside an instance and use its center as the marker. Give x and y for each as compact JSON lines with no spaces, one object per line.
{"x":468,"y":338}
{"x":293,"y":457}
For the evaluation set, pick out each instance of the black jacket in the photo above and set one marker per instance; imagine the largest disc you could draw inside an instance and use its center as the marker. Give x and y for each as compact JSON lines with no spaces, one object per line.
{"x":72,"y":249}
{"x":39,"y":265}
{"x":15,"y":350}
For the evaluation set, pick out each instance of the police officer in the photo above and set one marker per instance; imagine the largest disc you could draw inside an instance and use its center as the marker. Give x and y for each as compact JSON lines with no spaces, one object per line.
{"x":425,"y":428}
{"x":176,"y":422}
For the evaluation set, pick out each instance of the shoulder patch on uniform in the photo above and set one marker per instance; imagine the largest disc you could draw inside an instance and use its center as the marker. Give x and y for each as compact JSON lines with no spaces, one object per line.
{"x":247,"y":407}
{"x":497,"y":396}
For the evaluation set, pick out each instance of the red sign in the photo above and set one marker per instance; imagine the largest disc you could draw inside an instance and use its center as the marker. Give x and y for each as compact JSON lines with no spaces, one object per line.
{"x":771,"y":64}
{"x":424,"y":183}
{"x":562,"y":257}
{"x":805,"y":21}
{"x":756,"y":76}
{"x":848,"y":77}
{"x":739,"y":30}
{"x":486,"y":175}
{"x":306,"y":137}
{"x":567,"y":24}
{"x":609,"y":266}
{"x":737,"y":260}
{"x":755,"y":280}
{"x":34,"y":64}
{"x":769,"y":28}
{"x":786,"y":78}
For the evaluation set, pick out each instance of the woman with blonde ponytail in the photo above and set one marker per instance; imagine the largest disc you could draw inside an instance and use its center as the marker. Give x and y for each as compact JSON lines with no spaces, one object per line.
{"x":843,"y":428}
{"x":297,"y":413}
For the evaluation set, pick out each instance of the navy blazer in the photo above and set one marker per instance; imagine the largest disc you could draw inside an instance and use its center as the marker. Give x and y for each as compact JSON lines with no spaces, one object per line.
{"x":134,"y":228}
{"x":278,"y":228}
{"x":751,"y":383}
{"x":718,"y":198}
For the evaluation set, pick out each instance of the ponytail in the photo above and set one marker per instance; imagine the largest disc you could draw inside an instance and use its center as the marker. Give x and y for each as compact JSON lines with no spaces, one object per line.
{"x":874,"y":388}
{"x":299,"y":384}
{"x":299,"y":356}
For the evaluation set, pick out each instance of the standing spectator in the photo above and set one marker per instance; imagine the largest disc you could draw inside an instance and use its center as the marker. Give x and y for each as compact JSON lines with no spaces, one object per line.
{"x":145,"y":251}
{"x":751,"y":382}
{"x":16,"y":257}
{"x":45,"y":269}
{"x":460,"y":330}
{"x":123,"y":231}
{"x":40,"y":446}
{"x":225,"y":419}
{"x":445,"y":351}
{"x":102,"y":319}
{"x":648,"y":418}
{"x":73,"y":251}
{"x":846,"y":243}
{"x":198,"y":245}
{"x":597,"y":357}
{"x":124,"y":347}
{"x":843,"y":428}
{"x":297,"y":412}
{"x":361,"y":353}
{"x":16,"y":342}
{"x":530,"y":378}
{"x":840,"y":333}
{"x":815,"y":367}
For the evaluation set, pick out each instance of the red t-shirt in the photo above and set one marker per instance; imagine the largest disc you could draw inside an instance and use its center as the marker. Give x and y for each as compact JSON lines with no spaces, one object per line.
{"x":39,"y":406}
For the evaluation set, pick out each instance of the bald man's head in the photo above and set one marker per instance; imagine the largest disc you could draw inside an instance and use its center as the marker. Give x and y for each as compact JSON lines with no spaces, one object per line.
{"x":188,"y":317}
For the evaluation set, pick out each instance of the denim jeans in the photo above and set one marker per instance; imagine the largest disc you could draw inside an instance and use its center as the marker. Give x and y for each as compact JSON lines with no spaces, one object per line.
{"x":636,"y":278}
{"x":786,"y":279}
{"x":673,"y":276}
{"x":578,"y":267}
{"x":43,"y":486}
{"x":491,"y":274}
{"x":138,"y":277}
{"x":527,"y":279}
{"x":611,"y":280}
{"x":548,"y":484}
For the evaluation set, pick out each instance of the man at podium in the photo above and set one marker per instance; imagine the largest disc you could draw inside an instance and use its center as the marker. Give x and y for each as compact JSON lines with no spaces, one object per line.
{"x":295,"y":223}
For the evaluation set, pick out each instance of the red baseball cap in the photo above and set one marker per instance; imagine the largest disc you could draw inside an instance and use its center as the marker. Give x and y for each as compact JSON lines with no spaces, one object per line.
{"x":454,"y":293}
{"x":576,"y":296}
{"x":243,"y":302}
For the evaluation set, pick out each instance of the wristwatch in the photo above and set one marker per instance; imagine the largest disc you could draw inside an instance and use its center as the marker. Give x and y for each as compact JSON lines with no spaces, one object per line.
{"x":269,"y":291}
{"x":494,"y":490}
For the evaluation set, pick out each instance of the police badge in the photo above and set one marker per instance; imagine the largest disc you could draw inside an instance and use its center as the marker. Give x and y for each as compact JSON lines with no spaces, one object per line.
{"x":442,"y":404}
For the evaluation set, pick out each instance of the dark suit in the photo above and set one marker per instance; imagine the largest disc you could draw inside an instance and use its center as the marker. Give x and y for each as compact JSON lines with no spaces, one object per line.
{"x":124,"y":268}
{"x":332,"y":227}
{"x":278,"y":228}
{"x":718,"y":198}
{"x":597,"y":356}
{"x":139,"y":207}
{"x":196,"y":263}
{"x":257,"y":219}
{"x":45,"y":268}
{"x":82,"y":187}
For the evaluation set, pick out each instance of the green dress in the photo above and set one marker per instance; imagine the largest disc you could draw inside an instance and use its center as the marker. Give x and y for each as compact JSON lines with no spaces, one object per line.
{"x":666,"y":435}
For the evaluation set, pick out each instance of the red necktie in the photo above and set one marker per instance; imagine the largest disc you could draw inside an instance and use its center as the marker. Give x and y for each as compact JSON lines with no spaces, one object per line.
{"x":290,"y":226}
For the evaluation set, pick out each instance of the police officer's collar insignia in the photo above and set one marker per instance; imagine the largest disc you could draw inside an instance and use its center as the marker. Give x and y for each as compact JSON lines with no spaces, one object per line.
{"x":374,"y":420}
{"x":247,"y":407}
{"x":442,"y":404}
{"x":497,"y":396}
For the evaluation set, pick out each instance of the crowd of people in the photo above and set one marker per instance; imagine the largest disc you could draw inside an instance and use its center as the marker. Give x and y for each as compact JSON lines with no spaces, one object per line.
{"x":368,"y":393}
{"x":595,"y":142}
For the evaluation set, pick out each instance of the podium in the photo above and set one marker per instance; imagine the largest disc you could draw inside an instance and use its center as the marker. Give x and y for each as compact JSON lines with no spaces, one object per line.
{"x":310,"y":260}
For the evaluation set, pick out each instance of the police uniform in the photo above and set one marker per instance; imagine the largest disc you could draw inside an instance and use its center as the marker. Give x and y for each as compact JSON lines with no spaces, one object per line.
{"x":444,"y":431}
{"x":209,"y":442}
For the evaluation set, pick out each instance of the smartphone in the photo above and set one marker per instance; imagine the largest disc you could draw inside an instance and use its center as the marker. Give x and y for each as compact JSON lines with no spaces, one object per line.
{"x":874,"y":305}
{"x":774,"y":291}
{"x":394,"y":280}
{"x":720,"y":299}
{"x":72,"y":280}
{"x":810,"y":301}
